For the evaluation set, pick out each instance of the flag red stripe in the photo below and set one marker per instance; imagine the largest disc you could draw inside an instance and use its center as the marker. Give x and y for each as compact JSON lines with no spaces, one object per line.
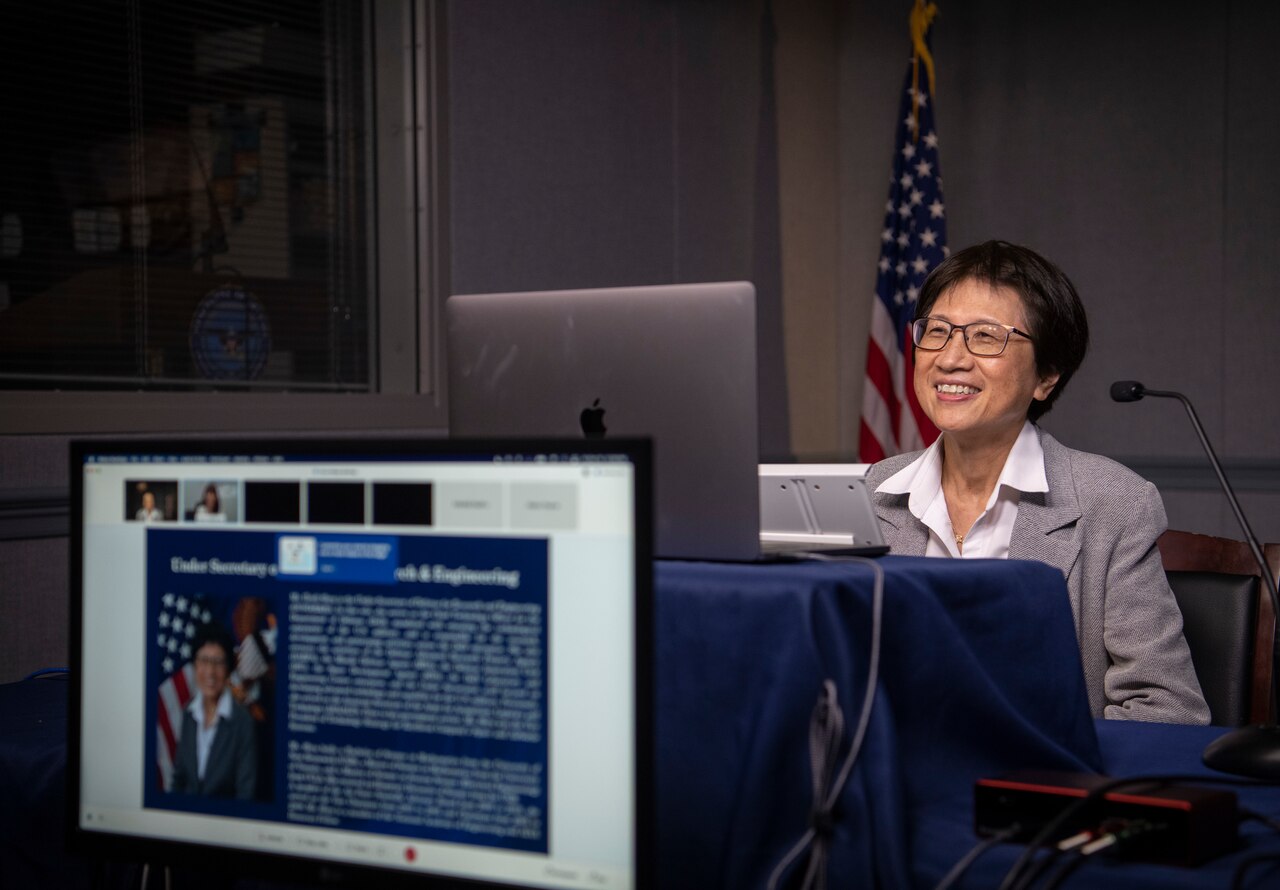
{"x":869,"y":448}
{"x":880,"y":375}
{"x":170,"y":738}
{"x":180,"y":684}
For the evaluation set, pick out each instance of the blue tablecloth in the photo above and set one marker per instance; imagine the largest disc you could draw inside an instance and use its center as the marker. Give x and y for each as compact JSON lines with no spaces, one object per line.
{"x":979,"y":674}
{"x":941,"y":832}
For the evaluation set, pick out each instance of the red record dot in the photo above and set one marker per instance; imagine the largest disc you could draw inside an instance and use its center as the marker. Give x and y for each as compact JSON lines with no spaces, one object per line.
{"x":410,"y":854}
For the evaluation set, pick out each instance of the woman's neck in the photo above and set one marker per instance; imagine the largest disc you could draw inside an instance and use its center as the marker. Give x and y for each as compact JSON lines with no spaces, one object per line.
{"x":210,"y":710}
{"x":970,"y":468}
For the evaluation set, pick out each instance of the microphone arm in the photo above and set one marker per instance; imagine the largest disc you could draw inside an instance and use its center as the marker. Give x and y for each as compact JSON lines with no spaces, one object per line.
{"x":1250,"y":750}
{"x":1132,"y":391}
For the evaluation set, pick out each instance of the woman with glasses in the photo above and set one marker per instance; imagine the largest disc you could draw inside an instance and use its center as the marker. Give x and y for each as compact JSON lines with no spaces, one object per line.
{"x":217,"y":755}
{"x":999,"y":331}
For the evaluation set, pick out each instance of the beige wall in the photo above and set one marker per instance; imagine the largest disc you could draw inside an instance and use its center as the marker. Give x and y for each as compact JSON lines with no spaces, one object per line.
{"x":838,"y":69}
{"x":808,"y":156}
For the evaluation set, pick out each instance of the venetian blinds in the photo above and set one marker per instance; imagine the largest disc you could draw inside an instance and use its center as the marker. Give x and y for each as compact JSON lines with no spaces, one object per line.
{"x":183,"y":201}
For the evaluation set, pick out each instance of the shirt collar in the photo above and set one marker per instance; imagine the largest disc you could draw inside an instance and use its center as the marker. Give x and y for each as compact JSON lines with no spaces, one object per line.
{"x":196,"y":705}
{"x":1024,"y":468}
{"x":922,"y":478}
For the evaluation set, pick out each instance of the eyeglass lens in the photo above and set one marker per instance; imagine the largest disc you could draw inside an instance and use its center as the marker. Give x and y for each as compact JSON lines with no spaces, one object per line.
{"x":981,"y":339}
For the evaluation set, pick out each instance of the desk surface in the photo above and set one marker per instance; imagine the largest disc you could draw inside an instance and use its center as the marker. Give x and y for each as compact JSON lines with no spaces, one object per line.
{"x":942,"y":832}
{"x":742,"y":652}
{"x":979,"y":675}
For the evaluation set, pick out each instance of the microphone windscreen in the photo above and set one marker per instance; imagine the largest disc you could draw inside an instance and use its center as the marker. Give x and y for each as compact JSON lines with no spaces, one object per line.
{"x":1127,"y":390}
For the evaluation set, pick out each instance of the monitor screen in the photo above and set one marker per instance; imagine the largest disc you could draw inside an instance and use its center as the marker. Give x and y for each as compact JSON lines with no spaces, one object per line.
{"x":427,"y":658}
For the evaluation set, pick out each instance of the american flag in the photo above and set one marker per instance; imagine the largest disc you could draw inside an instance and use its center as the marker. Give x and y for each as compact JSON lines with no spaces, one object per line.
{"x":176,"y":624}
{"x":912,"y":243}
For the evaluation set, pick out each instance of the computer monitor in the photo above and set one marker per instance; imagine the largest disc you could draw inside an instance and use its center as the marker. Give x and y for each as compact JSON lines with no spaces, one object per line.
{"x":360,"y":659}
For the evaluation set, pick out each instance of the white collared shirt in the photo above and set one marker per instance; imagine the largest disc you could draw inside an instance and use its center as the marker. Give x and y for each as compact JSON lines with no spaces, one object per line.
{"x":989,"y":536}
{"x":204,"y":735}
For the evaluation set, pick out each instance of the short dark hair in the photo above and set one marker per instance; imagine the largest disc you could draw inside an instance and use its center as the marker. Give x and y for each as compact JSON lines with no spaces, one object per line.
{"x":1059,"y":327}
{"x":217,"y":634}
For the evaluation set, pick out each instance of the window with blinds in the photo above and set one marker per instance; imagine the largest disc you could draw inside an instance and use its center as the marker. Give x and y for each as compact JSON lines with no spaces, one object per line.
{"x":185,"y":196}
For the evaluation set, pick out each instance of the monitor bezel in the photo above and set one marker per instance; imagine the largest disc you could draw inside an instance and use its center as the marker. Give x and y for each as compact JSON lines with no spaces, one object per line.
{"x":299,"y":869}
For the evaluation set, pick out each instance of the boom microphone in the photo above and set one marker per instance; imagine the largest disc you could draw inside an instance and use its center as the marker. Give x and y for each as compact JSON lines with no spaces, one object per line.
{"x":1127,"y":390}
{"x":1253,"y":750}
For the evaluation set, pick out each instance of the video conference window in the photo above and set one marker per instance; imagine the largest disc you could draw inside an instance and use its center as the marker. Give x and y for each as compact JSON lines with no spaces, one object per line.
{"x":210,"y":500}
{"x":272,"y":502}
{"x":151,"y":501}
{"x":402,"y":503}
{"x":335,"y":503}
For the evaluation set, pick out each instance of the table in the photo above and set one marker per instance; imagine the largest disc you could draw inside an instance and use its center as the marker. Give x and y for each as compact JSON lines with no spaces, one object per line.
{"x":979,"y":674}
{"x":742,"y":652}
{"x":941,"y":832}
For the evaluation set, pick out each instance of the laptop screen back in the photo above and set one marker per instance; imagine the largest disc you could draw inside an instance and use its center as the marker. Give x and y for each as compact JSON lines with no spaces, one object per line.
{"x":673,"y":362}
{"x":360,"y":659}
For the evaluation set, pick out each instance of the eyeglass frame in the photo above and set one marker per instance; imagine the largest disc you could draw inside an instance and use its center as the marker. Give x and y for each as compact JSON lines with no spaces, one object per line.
{"x":213,"y":661}
{"x":964,"y":335}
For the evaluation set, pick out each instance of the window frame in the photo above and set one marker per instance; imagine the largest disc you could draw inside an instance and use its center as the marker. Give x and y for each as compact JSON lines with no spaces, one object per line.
{"x":406,"y":100}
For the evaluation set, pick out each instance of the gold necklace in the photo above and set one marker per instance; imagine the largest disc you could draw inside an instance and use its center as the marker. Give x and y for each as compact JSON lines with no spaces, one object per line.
{"x":959,"y":541}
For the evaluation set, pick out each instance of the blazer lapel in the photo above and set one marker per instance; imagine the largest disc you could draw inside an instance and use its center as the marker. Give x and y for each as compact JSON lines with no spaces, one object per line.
{"x":1047,"y":524}
{"x":905,"y":535}
{"x":215,"y":767}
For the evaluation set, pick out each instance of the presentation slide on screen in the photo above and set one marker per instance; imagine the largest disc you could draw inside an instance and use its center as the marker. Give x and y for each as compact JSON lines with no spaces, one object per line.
{"x":414,"y":704}
{"x":375,"y":661}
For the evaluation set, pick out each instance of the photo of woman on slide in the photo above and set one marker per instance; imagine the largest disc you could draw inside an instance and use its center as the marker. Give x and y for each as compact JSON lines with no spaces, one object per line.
{"x":217,"y":754}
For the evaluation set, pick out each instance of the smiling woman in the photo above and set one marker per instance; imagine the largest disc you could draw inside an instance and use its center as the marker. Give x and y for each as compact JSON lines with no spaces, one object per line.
{"x":978,"y":386}
{"x":216,"y":751}
{"x":996,"y":486}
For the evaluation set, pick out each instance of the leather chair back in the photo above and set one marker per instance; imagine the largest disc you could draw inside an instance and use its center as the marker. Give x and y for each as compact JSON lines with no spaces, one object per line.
{"x":1228,"y":621}
{"x":1219,"y":620}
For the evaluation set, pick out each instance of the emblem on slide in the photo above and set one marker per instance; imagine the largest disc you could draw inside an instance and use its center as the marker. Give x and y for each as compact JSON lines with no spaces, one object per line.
{"x":297,"y":555}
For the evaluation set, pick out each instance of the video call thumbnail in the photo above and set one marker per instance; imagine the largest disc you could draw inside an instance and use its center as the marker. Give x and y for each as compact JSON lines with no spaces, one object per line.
{"x":151,"y":500}
{"x":335,"y":503}
{"x":272,"y":501}
{"x":402,"y":503}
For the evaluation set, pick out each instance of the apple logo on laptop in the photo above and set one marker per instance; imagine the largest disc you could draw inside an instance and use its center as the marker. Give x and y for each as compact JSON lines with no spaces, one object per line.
{"x":592,"y":420}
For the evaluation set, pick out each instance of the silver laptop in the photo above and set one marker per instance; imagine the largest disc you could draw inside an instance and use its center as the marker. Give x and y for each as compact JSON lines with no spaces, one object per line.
{"x":673,"y":362}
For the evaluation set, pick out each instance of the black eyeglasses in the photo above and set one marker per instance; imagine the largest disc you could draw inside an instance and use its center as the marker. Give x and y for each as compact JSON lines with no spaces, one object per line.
{"x":980,"y":337}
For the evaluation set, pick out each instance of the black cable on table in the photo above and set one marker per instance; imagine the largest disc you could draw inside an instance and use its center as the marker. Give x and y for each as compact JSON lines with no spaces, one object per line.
{"x":1243,"y":866}
{"x":821,"y":819}
{"x":1014,"y":877}
{"x":966,"y":861}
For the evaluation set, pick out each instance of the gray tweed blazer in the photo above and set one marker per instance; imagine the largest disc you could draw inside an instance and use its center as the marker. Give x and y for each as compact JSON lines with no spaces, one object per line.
{"x":1098,"y":523}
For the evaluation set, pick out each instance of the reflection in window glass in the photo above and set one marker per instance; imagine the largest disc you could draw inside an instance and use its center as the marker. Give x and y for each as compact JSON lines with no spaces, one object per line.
{"x":183,"y":197}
